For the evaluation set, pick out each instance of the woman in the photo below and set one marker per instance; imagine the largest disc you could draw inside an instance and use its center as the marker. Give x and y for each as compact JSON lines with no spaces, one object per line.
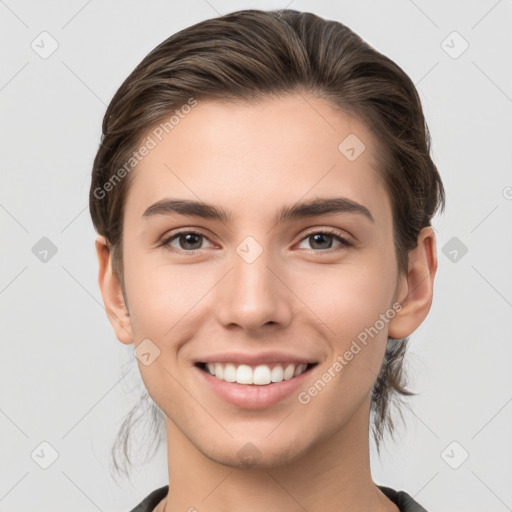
{"x":263,"y":194}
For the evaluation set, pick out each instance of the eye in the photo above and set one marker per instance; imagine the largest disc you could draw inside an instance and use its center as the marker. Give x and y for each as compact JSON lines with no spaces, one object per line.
{"x":187,"y":241}
{"x":190,"y":241}
{"x":323,"y":240}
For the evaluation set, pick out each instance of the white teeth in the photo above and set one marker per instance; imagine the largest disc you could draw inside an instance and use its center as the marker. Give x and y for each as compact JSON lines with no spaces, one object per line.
{"x":260,"y":375}
{"x":300,"y":369}
{"x":277,"y":374}
{"x":243,"y":374}
{"x":219,"y":370}
{"x":230,"y":373}
{"x":288,"y":373}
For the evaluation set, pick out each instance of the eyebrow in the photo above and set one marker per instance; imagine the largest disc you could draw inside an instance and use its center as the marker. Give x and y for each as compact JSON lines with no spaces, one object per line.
{"x":323,"y":206}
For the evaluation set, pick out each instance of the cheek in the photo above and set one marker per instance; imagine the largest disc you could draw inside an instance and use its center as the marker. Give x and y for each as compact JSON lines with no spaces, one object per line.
{"x":357,"y":296}
{"x":162,"y":295}
{"x":357,"y":310}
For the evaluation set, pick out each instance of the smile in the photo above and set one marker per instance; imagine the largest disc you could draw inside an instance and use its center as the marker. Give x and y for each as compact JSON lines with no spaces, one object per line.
{"x":259,"y":375}
{"x":256,"y":392}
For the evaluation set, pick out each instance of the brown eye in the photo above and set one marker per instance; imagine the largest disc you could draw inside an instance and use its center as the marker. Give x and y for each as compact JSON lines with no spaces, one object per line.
{"x":186,"y":241}
{"x":324,"y":240}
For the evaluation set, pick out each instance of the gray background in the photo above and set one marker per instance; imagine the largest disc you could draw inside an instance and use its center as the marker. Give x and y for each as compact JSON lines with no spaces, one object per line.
{"x":60,"y":364}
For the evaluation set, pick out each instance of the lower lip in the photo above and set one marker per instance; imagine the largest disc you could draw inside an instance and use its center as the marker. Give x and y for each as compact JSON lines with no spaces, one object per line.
{"x":252,"y":396}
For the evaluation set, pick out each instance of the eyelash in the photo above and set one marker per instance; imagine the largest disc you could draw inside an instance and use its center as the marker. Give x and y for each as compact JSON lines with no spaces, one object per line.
{"x":345,"y":242}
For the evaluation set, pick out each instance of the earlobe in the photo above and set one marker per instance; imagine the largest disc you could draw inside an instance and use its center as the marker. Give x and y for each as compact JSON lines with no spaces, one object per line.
{"x":112,"y":293}
{"x":416,"y":295}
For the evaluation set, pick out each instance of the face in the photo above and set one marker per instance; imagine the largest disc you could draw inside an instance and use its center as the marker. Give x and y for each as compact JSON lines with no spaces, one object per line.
{"x":266,"y":284}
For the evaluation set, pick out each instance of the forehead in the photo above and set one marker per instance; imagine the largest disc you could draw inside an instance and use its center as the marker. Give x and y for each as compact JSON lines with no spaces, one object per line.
{"x":256,"y":157}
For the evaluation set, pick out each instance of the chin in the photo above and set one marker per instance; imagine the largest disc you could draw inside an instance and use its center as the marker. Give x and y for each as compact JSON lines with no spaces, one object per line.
{"x":255,"y":454}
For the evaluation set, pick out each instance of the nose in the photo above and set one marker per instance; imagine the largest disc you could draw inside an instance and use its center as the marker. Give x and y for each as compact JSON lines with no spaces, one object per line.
{"x":254,"y":295}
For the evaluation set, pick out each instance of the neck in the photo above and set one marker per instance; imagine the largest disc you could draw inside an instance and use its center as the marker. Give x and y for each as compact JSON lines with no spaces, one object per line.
{"x":333,"y":475}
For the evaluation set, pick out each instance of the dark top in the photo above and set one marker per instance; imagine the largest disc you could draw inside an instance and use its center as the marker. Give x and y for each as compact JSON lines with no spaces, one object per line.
{"x":400,"y":498}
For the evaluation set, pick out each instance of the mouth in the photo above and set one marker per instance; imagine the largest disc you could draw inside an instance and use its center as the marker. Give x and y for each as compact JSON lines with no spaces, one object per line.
{"x":255,"y":375}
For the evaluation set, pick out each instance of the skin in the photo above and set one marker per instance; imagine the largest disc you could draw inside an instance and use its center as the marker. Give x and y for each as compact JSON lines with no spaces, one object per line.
{"x":298,"y":297}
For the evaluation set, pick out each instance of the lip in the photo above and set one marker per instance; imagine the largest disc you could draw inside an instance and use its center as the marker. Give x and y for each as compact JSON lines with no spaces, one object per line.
{"x":255,"y":359}
{"x":252,"y":396}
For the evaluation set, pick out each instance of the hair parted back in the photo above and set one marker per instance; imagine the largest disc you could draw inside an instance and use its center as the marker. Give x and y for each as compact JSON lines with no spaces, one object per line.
{"x":246,"y":56}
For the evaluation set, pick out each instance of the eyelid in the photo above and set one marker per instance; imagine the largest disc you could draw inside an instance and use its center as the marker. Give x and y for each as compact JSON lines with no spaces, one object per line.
{"x":167,"y":237}
{"x":330,"y":231}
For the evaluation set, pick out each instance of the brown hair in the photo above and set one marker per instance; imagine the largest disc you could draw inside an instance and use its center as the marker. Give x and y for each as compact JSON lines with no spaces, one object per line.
{"x":246,"y":56}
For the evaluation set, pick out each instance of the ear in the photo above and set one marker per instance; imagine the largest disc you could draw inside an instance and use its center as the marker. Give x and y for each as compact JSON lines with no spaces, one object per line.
{"x":112,"y":292}
{"x":416,"y":288}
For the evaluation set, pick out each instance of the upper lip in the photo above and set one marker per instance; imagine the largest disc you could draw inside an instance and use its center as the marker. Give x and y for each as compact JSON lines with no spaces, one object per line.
{"x":255,"y":359}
